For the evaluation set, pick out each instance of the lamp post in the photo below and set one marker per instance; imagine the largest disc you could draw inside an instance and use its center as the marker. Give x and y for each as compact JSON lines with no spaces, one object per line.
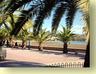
{"x":29,"y":42}
{"x":2,"y":51}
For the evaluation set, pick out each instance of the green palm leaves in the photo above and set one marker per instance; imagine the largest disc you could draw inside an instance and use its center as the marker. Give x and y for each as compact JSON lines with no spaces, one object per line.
{"x":23,"y":35}
{"x":65,"y":35}
{"x":3,"y":33}
{"x":42,"y":9}
{"x":42,"y":37}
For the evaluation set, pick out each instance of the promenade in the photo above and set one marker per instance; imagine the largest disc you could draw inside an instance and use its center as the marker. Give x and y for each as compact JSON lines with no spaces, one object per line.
{"x":34,"y":58}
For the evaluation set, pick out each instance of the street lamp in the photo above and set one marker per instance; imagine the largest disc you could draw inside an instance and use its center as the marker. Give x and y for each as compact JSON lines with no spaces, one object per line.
{"x":29,"y":42}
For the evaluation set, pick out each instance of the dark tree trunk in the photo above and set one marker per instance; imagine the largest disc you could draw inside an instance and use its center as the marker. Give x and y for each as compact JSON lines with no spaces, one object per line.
{"x":87,"y":56}
{"x":65,"y":46}
{"x":23,"y":44}
{"x":40,"y":49}
{"x":1,"y":42}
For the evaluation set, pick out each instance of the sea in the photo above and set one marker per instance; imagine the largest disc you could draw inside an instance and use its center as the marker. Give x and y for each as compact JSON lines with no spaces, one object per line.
{"x":61,"y":43}
{"x":70,"y":42}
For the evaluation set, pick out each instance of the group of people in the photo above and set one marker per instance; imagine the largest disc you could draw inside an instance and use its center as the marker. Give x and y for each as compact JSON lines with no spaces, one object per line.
{"x":2,"y":42}
{"x":15,"y":44}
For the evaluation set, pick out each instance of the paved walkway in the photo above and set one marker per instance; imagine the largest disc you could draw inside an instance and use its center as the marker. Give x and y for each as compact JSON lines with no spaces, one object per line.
{"x":35,"y":58}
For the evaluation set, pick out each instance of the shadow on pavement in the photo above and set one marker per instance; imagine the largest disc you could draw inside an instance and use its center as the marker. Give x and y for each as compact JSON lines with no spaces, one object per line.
{"x":81,"y":55}
{"x":13,"y":63}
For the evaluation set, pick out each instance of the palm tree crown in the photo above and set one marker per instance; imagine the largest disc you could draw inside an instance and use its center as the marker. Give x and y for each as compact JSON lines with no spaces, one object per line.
{"x":42,"y":37}
{"x":65,"y":35}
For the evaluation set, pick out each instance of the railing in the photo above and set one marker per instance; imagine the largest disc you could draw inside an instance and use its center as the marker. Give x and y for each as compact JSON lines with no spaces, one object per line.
{"x":60,"y":49}
{"x":67,"y":65}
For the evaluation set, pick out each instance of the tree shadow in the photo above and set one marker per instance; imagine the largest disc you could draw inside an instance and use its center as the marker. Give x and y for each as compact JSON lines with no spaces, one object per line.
{"x":69,"y":54}
{"x":80,"y":55}
{"x":13,"y":63}
{"x":49,"y":52}
{"x":55,"y":52}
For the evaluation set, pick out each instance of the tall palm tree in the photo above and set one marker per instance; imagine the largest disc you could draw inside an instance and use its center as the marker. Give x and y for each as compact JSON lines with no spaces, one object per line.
{"x":65,"y":36}
{"x":86,"y":18}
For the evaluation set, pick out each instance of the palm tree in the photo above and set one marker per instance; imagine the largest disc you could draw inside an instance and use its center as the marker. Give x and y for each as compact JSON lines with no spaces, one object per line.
{"x":65,"y":36}
{"x":42,"y":37}
{"x":23,"y":35}
{"x":84,"y":7}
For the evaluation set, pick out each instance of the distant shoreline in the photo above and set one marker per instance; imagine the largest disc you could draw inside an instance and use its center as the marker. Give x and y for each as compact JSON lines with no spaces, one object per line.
{"x":53,"y":45}
{"x":56,"y":44}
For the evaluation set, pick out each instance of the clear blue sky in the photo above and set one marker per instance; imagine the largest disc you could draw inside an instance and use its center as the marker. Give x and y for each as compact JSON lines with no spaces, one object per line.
{"x":77,"y":24}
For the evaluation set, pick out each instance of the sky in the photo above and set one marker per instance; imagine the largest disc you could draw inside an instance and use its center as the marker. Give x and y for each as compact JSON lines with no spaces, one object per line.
{"x":78,"y":23}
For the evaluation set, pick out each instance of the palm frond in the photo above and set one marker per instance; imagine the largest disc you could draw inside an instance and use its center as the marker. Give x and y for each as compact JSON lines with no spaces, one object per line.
{"x":1,"y":1}
{"x":57,"y":16}
{"x":11,"y":2}
{"x":6,"y":26}
{"x":42,"y":36}
{"x":65,"y":35}
{"x":43,"y":13}
{"x":15,"y":4}
{"x":12,"y":20}
{"x":25,"y":15}
{"x":20,"y":22}
{"x":71,"y":10}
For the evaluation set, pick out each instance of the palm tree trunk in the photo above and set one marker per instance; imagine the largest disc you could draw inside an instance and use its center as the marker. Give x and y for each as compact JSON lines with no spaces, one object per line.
{"x":23,"y":43}
{"x":0,"y":42}
{"x":1,"y":48}
{"x":65,"y":46}
{"x":0,"y":45}
{"x":40,"y":47}
{"x":87,"y":56}
{"x":0,"y":52}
